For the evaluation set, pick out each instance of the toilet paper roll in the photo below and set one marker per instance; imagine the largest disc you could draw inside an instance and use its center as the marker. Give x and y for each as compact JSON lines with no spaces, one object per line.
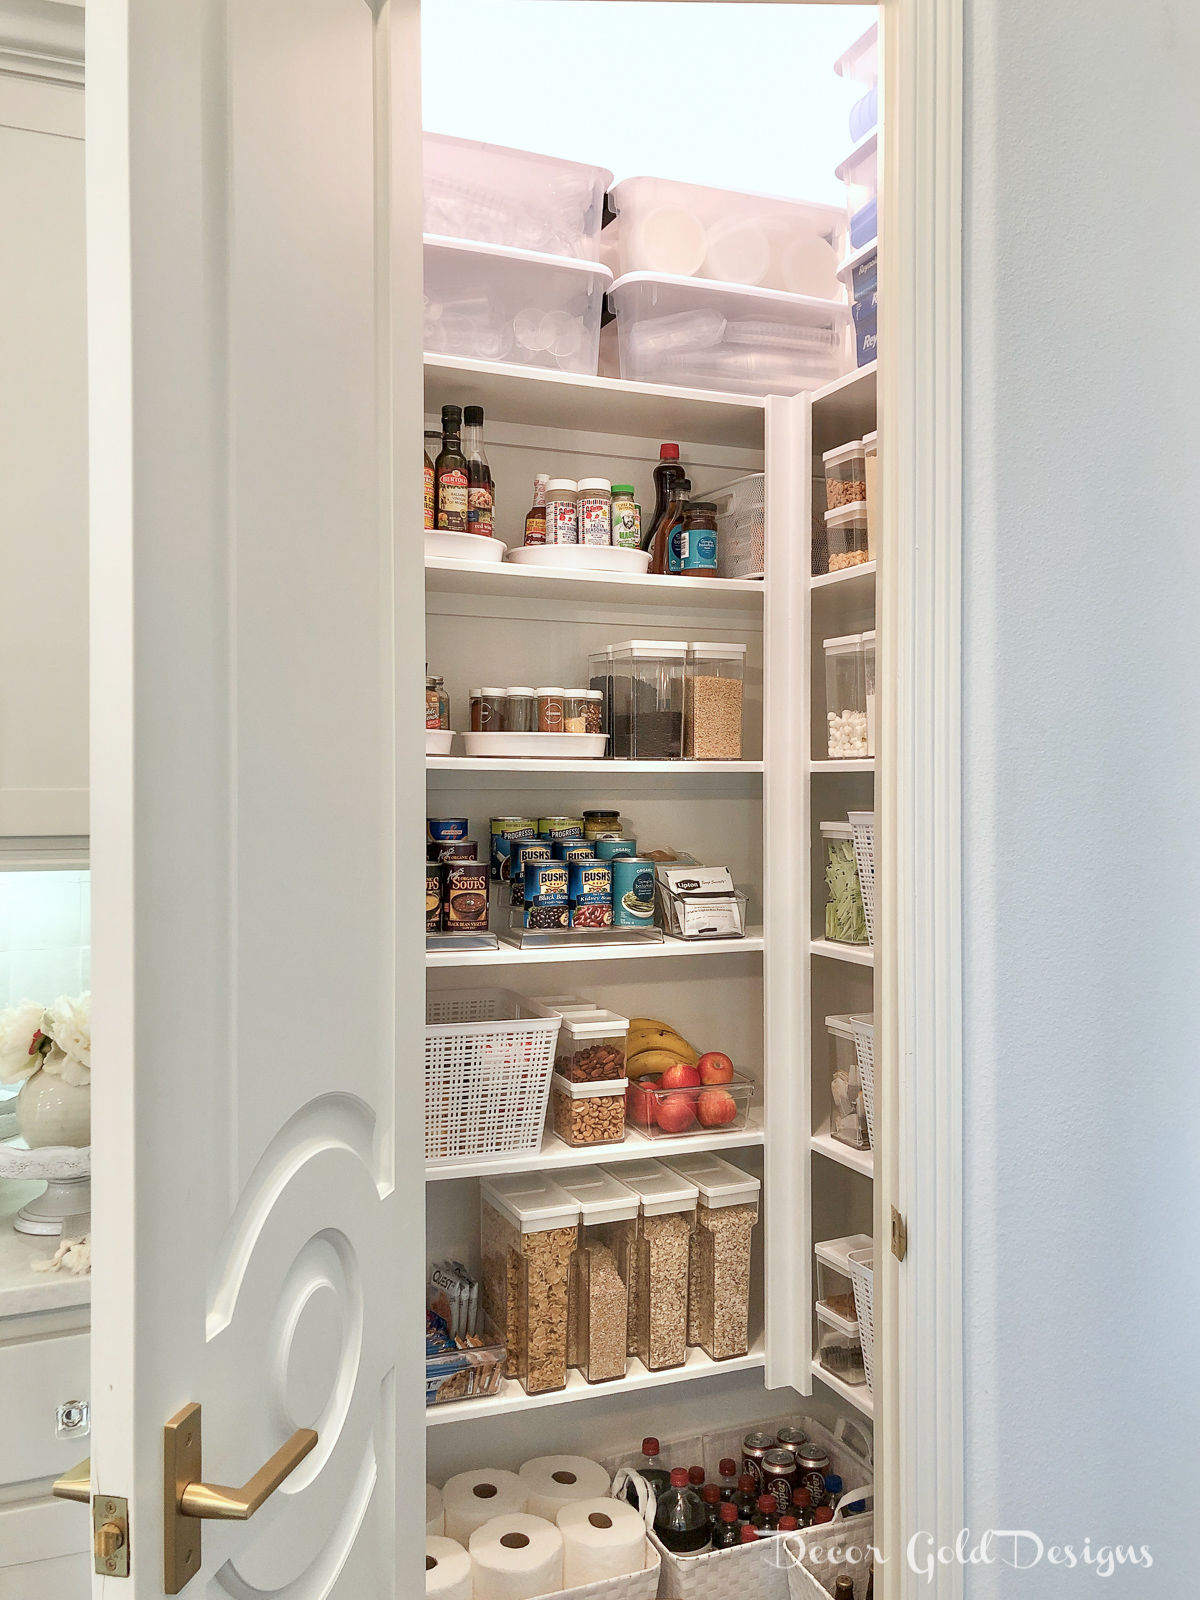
{"x":516,"y":1557}
{"x":552,"y":1482}
{"x":447,"y":1570}
{"x":601,"y":1539}
{"x":435,"y":1516}
{"x":472,"y":1498}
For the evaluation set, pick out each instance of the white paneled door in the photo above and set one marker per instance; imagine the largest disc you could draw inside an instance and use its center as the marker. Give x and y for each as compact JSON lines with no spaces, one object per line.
{"x":254,"y":274}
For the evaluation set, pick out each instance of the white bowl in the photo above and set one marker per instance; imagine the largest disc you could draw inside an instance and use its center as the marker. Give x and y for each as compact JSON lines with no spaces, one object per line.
{"x":536,"y":746}
{"x":463,"y":546}
{"x":438,"y":741}
{"x":581,"y":557}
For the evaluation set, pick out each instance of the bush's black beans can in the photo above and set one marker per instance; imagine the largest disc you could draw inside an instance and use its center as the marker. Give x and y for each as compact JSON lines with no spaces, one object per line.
{"x":546,"y":904}
{"x":522,"y":851}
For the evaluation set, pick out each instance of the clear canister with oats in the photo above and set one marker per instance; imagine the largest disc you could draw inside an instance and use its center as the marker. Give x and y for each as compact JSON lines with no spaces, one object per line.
{"x":661,"y":1262}
{"x":712,"y":714}
{"x":598,"y":1304}
{"x":719,"y":1290}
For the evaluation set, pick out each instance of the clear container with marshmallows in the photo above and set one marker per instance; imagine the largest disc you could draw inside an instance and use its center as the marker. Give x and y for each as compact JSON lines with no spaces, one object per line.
{"x":712,"y":721}
{"x":845,"y":698}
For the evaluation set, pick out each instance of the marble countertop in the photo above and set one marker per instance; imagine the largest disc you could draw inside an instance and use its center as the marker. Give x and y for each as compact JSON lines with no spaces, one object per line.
{"x":21,"y":1288}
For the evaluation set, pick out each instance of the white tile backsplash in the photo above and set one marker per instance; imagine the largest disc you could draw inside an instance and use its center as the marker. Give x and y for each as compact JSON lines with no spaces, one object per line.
{"x":45,"y":935}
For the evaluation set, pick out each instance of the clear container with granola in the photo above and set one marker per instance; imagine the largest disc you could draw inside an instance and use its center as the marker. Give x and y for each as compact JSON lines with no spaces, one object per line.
{"x":528,"y":1227}
{"x":661,"y":1262}
{"x":598,"y":1306}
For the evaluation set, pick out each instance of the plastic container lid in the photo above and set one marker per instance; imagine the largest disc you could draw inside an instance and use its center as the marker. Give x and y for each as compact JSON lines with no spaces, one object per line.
{"x":841,"y":1025}
{"x":517,"y":688}
{"x":496,"y":689}
{"x":856,"y":511}
{"x":592,"y":694}
{"x":660,"y":1189}
{"x":549,"y":688}
{"x":601,"y":1196}
{"x":720,"y":1183}
{"x":835,"y":1253}
{"x":595,"y":1024}
{"x":860,"y":61}
{"x":869,"y":637}
{"x":562,"y":483}
{"x":846,"y":641}
{"x":717,"y":652}
{"x":594,"y":483}
{"x":553,"y":1005}
{"x":474,"y":692}
{"x":843,"y":452}
{"x":532,"y":1202}
{"x":589,"y":1091}
{"x":865,"y":148}
{"x":652,"y":649}
{"x":622,"y":488}
{"x":836,"y":830}
{"x":871,"y":441}
{"x":847,"y":1326}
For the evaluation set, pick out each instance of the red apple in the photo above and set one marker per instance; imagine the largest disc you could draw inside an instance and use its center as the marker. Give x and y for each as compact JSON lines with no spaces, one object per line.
{"x":680,"y":1076}
{"x":714,"y":1067}
{"x":640,"y":1106}
{"x":715,"y":1108}
{"x":676,"y":1113}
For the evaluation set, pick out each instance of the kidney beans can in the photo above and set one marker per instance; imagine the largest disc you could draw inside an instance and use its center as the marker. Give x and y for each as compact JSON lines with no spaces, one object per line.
{"x":546,"y":902}
{"x":504,"y":830}
{"x":589,"y":890}
{"x":441,"y":829}
{"x":466,"y":896}
{"x":632,"y":892}
{"x":610,"y":849}
{"x":524,"y":851}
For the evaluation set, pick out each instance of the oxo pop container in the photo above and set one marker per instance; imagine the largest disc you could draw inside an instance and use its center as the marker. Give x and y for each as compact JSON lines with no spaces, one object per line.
{"x":719,"y":1289}
{"x":845,"y":698}
{"x":528,"y":1230}
{"x":648,"y":694}
{"x":845,"y":475}
{"x":591,"y":1045}
{"x":845,"y":918}
{"x":846,"y":537}
{"x":491,"y":304}
{"x":513,"y":198}
{"x":658,"y":1309}
{"x":719,"y":336}
{"x":835,"y":1288}
{"x":868,"y":641}
{"x":712,"y":713}
{"x":598,"y":1304}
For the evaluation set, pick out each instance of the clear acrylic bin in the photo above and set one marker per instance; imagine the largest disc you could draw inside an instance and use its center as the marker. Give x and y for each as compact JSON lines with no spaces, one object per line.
{"x":688,"y":230}
{"x":845,"y":475}
{"x":588,"y":1113}
{"x":860,"y":61}
{"x":597,"y":1340}
{"x":835,"y":1286}
{"x":591,"y":1045}
{"x":845,"y":697}
{"x":715,"y":336}
{"x":840,"y":1353}
{"x":514,"y":198}
{"x":719,"y":1290}
{"x":846,"y":537}
{"x":658,"y":1310}
{"x":648,"y":694}
{"x":868,"y":640}
{"x":485,"y":303}
{"x":860,"y":173}
{"x":845,"y":916}
{"x":528,"y":1227}
{"x":847,"y":1106}
{"x":712,"y":712}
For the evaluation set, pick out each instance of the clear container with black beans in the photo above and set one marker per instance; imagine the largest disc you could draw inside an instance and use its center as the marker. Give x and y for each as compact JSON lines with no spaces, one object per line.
{"x":648,"y":696}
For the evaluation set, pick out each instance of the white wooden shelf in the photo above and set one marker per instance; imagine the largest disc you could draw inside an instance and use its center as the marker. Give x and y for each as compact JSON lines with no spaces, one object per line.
{"x":845,"y":409}
{"x":851,"y":583}
{"x":860,"y":955}
{"x":513,"y":1398}
{"x":857,"y":1160}
{"x":861,"y":764}
{"x":22,"y":1290}
{"x":555,"y":1156}
{"x":858,"y":1395}
{"x":742,"y":597}
{"x":598,"y":769}
{"x":539,"y":398}
{"x":573,"y":955}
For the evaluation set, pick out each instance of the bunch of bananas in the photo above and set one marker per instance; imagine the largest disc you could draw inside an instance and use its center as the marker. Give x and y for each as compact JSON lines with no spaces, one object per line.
{"x":654,"y":1046}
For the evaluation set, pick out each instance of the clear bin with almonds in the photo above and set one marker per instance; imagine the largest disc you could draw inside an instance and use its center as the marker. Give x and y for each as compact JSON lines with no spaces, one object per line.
{"x":528,"y":1229}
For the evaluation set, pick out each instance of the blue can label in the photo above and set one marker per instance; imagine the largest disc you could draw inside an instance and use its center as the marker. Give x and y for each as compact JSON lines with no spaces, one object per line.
{"x":546,"y":894}
{"x":632,"y":892}
{"x":590,"y":893}
{"x":524,"y":852}
{"x":610,"y":849}
{"x":442,"y":830}
{"x":571,"y":850}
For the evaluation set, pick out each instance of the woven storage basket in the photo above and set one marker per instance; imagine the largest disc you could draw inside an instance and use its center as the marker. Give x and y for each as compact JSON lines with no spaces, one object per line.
{"x":862,"y":1275}
{"x":864,"y":1049}
{"x":741,"y":527}
{"x":862,"y":824}
{"x":816,"y":1557}
{"x":636,"y":1586}
{"x":487,"y":1073}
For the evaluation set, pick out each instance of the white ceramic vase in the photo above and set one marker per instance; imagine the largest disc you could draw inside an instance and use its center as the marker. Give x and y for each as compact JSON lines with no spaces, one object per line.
{"x":51,"y":1111}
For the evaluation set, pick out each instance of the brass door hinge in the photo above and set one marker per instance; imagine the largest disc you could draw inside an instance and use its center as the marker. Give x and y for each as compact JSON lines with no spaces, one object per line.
{"x":110,"y":1535}
{"x":899,"y":1235}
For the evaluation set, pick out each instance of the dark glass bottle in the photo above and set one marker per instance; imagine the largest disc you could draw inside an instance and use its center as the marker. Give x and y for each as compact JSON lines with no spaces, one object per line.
{"x":680,"y":1520}
{"x":481,"y":491}
{"x":668,"y":470}
{"x":673,"y":512}
{"x":450,"y":473}
{"x":728,"y":1530}
{"x":870,"y":1594}
{"x":843,"y":1587}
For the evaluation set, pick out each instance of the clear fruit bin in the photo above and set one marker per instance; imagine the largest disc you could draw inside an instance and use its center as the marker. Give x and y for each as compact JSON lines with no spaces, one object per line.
{"x":660,"y":1113}
{"x":487,"y":303}
{"x":703,"y":335}
{"x":515,"y":198}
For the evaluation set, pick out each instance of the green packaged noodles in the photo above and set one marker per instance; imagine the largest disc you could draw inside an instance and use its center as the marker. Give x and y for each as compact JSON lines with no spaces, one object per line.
{"x":845,"y":920}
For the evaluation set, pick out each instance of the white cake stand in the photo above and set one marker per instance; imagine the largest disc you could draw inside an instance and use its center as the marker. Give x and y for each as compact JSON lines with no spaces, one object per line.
{"x":67,"y":1174}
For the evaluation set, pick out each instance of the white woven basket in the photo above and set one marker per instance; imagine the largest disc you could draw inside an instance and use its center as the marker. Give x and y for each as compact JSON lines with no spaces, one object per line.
{"x":862,"y":824}
{"x":818,"y":1556}
{"x":487,"y":1073}
{"x":862,"y":1276}
{"x":741,"y":527}
{"x":636,"y":1586}
{"x":864,"y":1049}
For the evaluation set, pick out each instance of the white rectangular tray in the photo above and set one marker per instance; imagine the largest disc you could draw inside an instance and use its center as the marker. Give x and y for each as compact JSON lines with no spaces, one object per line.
{"x":536,"y":746}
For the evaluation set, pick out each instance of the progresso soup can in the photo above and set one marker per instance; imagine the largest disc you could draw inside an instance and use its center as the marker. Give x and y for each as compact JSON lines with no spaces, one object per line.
{"x":504,"y":830}
{"x":632,"y":892}
{"x":546,"y":904}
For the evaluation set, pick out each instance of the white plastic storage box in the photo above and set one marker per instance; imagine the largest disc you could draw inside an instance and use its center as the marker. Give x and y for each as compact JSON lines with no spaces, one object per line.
{"x":485,"y":303}
{"x":845,"y":698}
{"x":864,"y":1044}
{"x":741,"y":526}
{"x":514,"y":198}
{"x":701,"y":335}
{"x":487,"y":1073}
{"x":862,"y":1271}
{"x":689,"y":231}
{"x":860,"y":173}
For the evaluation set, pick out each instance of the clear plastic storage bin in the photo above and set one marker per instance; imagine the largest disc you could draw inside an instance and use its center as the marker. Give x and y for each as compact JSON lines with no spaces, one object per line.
{"x":845,"y":475}
{"x":871,"y":447}
{"x":838,"y":1352}
{"x":660,"y":1113}
{"x":690,"y":231}
{"x":648,"y":694}
{"x":713,"y":336}
{"x":591,"y":1045}
{"x":712,"y":713}
{"x":845,"y":697}
{"x":868,"y":640}
{"x":528,"y":1230}
{"x":835,"y":1287}
{"x":658,"y":1308}
{"x":588,"y":1113}
{"x":490,"y":304}
{"x":845,"y":917}
{"x":846,"y":537}
{"x":860,"y":62}
{"x":598,"y":1338}
{"x":719,"y":1288}
{"x":860,"y":173}
{"x":847,"y":1107}
{"x":514,"y":198}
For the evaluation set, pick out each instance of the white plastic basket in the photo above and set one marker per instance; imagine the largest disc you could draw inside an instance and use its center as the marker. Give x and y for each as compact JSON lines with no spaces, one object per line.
{"x":819,"y":1556}
{"x":864,"y":1049}
{"x":863,"y":825}
{"x":635,"y":1586}
{"x":487,"y":1073}
{"x":862,"y":1275}
{"x":741,"y":527}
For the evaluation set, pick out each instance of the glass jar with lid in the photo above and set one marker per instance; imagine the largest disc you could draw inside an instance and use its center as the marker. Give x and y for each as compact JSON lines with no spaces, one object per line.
{"x":693,"y":552}
{"x":562,"y":514}
{"x":593,"y":711}
{"x":712,"y":726}
{"x":602,"y":825}
{"x":549,"y":710}
{"x":492,"y":709}
{"x":648,"y":694}
{"x":520,"y":710}
{"x":595,"y":511}
{"x":574,"y":711}
{"x":437,"y":704}
{"x":845,"y":698}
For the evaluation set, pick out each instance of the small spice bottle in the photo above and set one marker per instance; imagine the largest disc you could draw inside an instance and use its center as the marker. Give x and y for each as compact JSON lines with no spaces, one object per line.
{"x":595,"y":511}
{"x":574,"y":711}
{"x":491,"y":710}
{"x":550,"y":710}
{"x":520,"y":710}
{"x":535,"y":517}
{"x":476,"y":711}
{"x":437,"y":704}
{"x":593,"y":711}
{"x":562,"y":524}
{"x":626,"y":518}
{"x":694,"y":555}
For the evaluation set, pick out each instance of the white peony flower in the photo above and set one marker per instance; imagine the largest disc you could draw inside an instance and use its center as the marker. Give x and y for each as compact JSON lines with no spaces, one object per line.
{"x":69,"y":1023}
{"x":65,"y":1067}
{"x":17,"y":1028}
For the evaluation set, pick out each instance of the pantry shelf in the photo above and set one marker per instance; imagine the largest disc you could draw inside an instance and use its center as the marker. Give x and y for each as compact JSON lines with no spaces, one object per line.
{"x":845,"y":409}
{"x":669,"y":949}
{"x":513,"y":1398}
{"x":554,"y":1155}
{"x":539,"y":398}
{"x":597,"y":770}
{"x":857,"y":1394}
{"x":862,"y":764}
{"x":740,"y":597}
{"x":861,"y":955}
{"x":857,"y":1160}
{"x":849,"y":583}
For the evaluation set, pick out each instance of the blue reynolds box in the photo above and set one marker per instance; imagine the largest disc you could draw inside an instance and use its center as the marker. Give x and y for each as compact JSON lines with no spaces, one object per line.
{"x":864,"y":225}
{"x":865,"y":329}
{"x":860,"y":271}
{"x":590,"y":893}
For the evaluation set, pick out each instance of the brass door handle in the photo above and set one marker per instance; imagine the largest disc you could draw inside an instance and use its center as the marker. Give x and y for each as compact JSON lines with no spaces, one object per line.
{"x":76,"y":1484}
{"x":188,"y":1498}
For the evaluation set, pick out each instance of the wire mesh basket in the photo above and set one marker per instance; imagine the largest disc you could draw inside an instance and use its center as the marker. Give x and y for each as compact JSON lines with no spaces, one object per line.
{"x":741,"y":526}
{"x":487,"y":1073}
{"x":862,"y":1275}
{"x":864,"y":1049}
{"x":862,"y":824}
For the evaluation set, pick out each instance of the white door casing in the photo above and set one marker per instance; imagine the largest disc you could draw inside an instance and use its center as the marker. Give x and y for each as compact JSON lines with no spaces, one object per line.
{"x":253,"y":178}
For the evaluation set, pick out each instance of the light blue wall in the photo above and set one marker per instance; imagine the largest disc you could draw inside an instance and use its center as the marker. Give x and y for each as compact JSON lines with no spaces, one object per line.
{"x":1082,"y":784}
{"x":45,"y":935}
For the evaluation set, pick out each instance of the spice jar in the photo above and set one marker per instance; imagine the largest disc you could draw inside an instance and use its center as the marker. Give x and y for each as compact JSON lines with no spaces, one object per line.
{"x":868,"y":644}
{"x":846,"y":537}
{"x":845,"y":474}
{"x":595,"y":511}
{"x":593,"y":711}
{"x":648,"y":691}
{"x":562,"y":525}
{"x":626,"y":518}
{"x":549,"y":710}
{"x":602,"y":825}
{"x":574,"y":713}
{"x":598,"y":1294}
{"x":520,"y":710}
{"x":845,"y":919}
{"x":591,"y":1046}
{"x":493,"y":709}
{"x":712,"y":720}
{"x":845,"y":697}
{"x":588,"y":1113}
{"x":847,"y":1109}
{"x":437,"y":704}
{"x":528,"y":1233}
{"x":719,"y":1286}
{"x":662,"y":1251}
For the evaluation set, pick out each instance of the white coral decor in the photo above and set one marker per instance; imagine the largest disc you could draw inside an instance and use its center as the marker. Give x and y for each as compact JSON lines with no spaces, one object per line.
{"x":68,"y":1022}
{"x":20,"y":1058}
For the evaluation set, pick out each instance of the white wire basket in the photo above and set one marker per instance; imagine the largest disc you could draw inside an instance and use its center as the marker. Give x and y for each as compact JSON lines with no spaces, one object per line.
{"x":487,"y":1073}
{"x":864,"y":1049}
{"x":741,"y":527}
{"x":817,"y":1557}
{"x":862,"y":824}
{"x":862,"y":1276}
